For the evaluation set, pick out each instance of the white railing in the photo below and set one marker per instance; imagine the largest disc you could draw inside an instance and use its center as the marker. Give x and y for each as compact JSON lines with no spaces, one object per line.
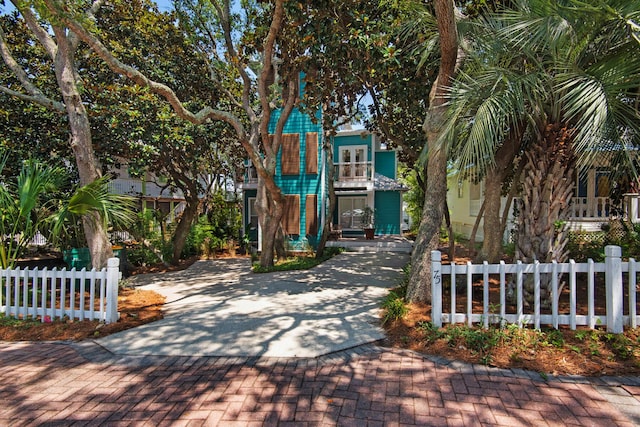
{"x":49,"y":294}
{"x":362,"y":171}
{"x":590,"y":207}
{"x":251,"y":175}
{"x":613,"y":290}
{"x":136,"y":187}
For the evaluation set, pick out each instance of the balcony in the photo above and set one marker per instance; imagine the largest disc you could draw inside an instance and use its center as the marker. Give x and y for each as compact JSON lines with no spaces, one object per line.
{"x":250,"y":178}
{"x":135,"y":187}
{"x":353,"y":172}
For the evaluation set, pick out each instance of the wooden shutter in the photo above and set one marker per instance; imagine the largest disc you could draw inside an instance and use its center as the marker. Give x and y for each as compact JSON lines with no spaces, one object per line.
{"x":311,"y":217}
{"x":290,"y":159}
{"x":311,"y":152}
{"x":291,"y":218}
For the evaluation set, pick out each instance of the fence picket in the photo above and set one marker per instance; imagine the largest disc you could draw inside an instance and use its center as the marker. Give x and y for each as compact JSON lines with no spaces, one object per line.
{"x":555,"y":295}
{"x":92,"y":296}
{"x":54,"y":290}
{"x":43,"y":298}
{"x":83,"y":284}
{"x":469,"y":292}
{"x":591,"y":293}
{"x":34,"y":293}
{"x":63,"y":292}
{"x":453,"y":292}
{"x":536,"y":294}
{"x":16,"y":290}
{"x":485,"y":292}
{"x":633,"y":321}
{"x":520,"y":310}
{"x":573,"y":295}
{"x":503,"y":291}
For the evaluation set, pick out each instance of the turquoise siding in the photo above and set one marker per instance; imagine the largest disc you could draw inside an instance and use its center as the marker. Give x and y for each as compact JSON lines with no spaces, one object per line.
{"x":386,"y":163}
{"x":342,"y":140}
{"x":388,"y":208}
{"x":302,"y":184}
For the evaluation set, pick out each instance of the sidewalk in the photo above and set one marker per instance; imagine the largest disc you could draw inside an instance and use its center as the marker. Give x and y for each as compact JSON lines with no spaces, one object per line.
{"x":83,"y":384}
{"x":284,"y":349}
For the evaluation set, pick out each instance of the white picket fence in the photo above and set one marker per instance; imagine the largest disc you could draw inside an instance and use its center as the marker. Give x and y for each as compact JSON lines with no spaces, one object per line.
{"x":614,"y":272}
{"x":49,"y":294}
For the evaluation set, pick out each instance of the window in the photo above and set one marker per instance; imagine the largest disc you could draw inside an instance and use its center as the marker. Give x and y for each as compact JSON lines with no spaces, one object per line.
{"x":311,"y":214}
{"x":290,"y":159}
{"x":252,"y":215}
{"x":353,"y":162}
{"x":350,"y":210}
{"x":475,"y":198}
{"x":311,"y":153}
{"x":291,"y":217}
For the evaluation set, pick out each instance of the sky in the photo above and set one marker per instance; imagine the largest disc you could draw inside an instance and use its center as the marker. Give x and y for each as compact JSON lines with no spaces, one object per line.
{"x":163,"y":5}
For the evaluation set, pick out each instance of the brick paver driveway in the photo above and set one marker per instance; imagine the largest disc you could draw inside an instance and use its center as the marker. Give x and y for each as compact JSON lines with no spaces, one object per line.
{"x":83,"y":384}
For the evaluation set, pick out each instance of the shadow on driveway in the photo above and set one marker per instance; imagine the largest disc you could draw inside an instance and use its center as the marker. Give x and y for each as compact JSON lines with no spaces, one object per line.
{"x":221,"y":308}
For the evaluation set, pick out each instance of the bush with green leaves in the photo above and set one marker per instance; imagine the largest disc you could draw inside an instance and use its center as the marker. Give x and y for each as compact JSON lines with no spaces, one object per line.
{"x":395,"y":307}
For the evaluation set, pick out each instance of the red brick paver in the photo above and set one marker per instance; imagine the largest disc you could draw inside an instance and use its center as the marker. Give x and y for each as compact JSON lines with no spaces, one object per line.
{"x":70,"y":384}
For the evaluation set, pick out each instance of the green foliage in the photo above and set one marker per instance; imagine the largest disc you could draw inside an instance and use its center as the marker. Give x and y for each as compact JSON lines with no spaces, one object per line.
{"x":583,"y":245}
{"x":620,"y":344}
{"x":414,"y":197}
{"x":217,"y":230}
{"x":153,"y":245}
{"x":298,"y":262}
{"x":17,"y":323}
{"x":394,"y":307}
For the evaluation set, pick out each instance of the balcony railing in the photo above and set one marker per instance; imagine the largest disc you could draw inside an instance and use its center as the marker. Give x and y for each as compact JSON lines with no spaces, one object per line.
{"x":134,"y":187}
{"x":250,"y":175}
{"x":353,"y":171}
{"x":602,"y":208}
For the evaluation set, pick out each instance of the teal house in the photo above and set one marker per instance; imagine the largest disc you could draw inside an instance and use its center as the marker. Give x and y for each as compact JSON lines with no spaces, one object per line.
{"x":365,"y":180}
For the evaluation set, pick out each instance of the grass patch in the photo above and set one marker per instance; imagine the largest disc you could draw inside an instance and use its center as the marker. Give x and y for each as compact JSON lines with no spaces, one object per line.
{"x":300,"y":262}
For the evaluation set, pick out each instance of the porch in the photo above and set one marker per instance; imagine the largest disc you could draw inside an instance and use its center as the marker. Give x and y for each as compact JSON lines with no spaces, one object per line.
{"x":589,"y":213}
{"x":384,"y":243}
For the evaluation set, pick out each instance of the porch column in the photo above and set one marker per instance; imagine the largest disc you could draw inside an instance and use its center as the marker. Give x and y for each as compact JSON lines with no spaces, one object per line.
{"x":631,"y":200}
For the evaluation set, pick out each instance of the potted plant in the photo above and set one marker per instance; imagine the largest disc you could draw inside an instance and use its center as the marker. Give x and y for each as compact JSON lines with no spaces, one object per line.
{"x":368,"y":224}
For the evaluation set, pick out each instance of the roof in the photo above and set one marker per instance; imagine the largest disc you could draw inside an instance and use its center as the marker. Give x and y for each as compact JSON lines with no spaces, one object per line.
{"x":384,"y":183}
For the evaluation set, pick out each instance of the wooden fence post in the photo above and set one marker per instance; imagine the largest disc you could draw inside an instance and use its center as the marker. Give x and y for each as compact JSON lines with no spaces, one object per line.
{"x":113,"y":276}
{"x":436,"y":288}
{"x":614,"y":288}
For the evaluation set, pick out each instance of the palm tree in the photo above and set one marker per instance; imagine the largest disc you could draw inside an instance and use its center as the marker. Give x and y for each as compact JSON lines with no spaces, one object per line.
{"x":563,"y":78}
{"x":35,"y":203}
{"x":24,"y":210}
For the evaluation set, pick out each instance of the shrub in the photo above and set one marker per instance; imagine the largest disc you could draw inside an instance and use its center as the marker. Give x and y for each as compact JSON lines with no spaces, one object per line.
{"x":394,"y":307}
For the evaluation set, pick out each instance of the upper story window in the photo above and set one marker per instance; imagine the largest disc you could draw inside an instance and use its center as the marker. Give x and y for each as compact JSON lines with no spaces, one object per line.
{"x":353,"y":164}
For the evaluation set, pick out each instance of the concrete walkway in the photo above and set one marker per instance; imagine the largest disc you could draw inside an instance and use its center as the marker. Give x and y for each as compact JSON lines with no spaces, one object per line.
{"x":294,"y":349}
{"x":220,"y":308}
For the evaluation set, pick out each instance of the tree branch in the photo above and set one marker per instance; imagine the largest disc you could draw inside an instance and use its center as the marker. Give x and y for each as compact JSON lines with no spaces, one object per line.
{"x":34,"y":94}
{"x":41,"y":34}
{"x":40,"y":100}
{"x":163,"y":90}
